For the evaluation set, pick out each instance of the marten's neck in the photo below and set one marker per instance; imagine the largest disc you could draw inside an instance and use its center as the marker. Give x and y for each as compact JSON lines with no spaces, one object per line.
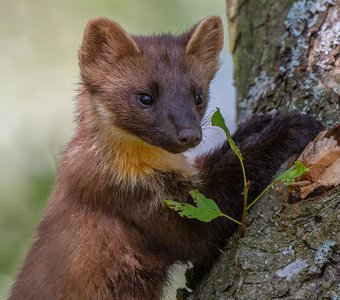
{"x":132,"y":160}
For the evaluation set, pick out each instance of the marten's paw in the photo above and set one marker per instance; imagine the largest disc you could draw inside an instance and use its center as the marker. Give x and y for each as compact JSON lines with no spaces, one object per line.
{"x":252,"y":126}
{"x":294,"y":129}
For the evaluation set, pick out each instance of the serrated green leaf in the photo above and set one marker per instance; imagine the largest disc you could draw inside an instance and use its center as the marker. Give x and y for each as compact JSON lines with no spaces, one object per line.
{"x":205,"y":210}
{"x":176,"y":206}
{"x":218,"y":120}
{"x":295,"y":171}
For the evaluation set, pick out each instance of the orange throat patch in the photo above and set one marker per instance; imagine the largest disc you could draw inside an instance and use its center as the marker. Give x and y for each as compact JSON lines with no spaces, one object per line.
{"x":134,"y":160}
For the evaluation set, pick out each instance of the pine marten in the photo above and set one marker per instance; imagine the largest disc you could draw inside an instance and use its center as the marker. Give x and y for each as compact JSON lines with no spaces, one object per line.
{"x":106,"y":233}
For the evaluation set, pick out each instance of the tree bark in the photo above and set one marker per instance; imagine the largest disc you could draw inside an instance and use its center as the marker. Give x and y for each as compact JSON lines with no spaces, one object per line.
{"x":286,"y":57}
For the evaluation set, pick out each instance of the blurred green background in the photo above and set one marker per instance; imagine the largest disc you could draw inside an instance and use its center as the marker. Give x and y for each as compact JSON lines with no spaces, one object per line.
{"x":39,"y":40}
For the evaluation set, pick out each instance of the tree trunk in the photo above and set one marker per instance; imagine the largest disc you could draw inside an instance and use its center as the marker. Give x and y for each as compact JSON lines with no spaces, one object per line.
{"x":286,"y":57}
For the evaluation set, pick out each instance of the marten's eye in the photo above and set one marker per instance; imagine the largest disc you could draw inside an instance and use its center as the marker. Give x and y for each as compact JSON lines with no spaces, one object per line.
{"x":146,"y":99}
{"x":198,"y":99}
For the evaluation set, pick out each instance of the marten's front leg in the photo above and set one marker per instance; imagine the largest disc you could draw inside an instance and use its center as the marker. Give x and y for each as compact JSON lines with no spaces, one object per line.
{"x":272,"y":141}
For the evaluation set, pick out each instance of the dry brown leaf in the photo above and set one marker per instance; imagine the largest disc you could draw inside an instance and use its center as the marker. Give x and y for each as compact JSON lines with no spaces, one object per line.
{"x":322,"y":157}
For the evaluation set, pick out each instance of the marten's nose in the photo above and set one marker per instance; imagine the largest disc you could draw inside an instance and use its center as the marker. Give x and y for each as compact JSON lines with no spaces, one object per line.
{"x":190,"y":137}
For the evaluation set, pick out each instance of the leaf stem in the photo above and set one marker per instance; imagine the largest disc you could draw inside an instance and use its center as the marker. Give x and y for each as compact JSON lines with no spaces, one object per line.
{"x":245,"y":193}
{"x":260,"y":195}
{"x":231,"y":219}
{"x":218,"y":120}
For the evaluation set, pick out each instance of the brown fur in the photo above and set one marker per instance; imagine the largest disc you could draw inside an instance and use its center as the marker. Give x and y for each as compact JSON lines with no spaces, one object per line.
{"x":106,"y":233}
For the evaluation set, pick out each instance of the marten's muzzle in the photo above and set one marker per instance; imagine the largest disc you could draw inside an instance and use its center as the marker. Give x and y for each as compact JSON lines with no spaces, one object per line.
{"x":189,"y":137}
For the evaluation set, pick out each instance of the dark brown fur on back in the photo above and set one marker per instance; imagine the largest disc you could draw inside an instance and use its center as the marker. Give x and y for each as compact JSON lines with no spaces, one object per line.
{"x":106,"y":234}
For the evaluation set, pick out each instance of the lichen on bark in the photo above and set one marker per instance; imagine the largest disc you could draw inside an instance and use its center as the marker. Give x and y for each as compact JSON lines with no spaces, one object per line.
{"x":296,"y":44}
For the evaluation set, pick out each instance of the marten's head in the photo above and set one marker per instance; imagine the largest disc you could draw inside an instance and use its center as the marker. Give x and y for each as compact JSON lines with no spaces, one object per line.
{"x":155,"y":88}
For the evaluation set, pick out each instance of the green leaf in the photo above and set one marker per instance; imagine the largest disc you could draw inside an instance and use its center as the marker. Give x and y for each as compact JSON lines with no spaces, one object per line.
{"x":218,"y":120}
{"x":205,"y":209}
{"x":287,"y":177}
{"x":295,"y":171}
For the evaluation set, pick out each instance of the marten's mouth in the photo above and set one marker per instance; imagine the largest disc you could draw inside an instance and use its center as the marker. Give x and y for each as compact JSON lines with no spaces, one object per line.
{"x":170,"y":145}
{"x":176,"y":148}
{"x":181,"y":149}
{"x":173,"y":143}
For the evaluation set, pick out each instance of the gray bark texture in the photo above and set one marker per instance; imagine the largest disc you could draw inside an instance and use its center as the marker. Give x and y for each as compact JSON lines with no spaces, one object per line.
{"x":286,"y":57}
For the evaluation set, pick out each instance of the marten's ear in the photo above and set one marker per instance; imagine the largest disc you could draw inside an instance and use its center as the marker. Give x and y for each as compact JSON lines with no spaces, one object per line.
{"x":104,"y":41}
{"x":206,"y":41}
